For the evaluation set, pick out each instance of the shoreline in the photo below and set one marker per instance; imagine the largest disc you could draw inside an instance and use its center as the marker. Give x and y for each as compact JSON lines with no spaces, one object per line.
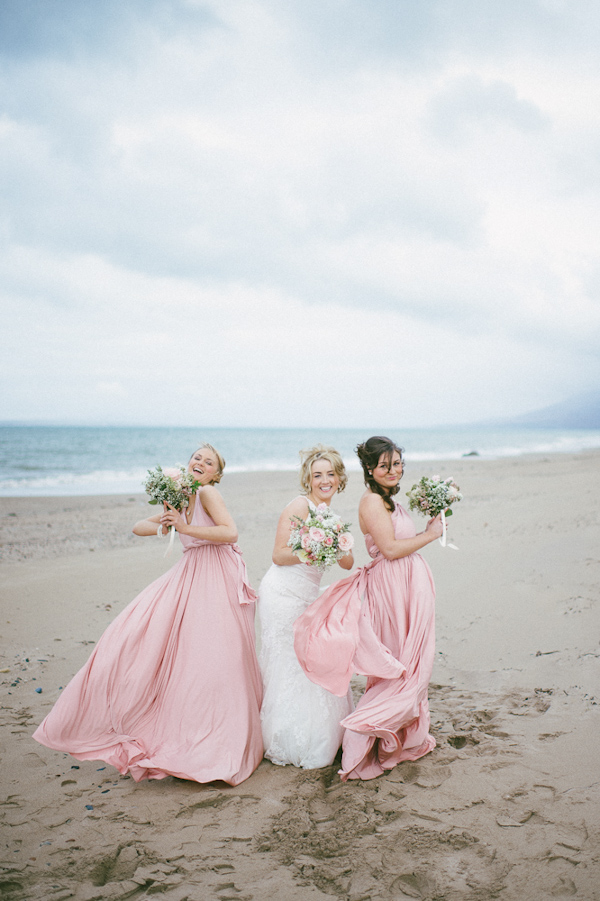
{"x":505,"y":806}
{"x":122,"y":479}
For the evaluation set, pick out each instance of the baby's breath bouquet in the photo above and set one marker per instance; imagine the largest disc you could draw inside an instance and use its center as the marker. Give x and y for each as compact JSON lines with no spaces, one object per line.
{"x":172,"y":486}
{"x":321,"y":539}
{"x":433,"y":496}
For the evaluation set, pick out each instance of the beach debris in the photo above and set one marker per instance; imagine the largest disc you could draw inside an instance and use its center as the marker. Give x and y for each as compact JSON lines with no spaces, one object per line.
{"x":38,"y":691}
{"x":6,"y":669}
{"x":89,"y":806}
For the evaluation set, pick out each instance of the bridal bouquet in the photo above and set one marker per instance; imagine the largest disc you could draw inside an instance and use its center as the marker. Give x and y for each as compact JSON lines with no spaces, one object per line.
{"x":172,"y":486}
{"x":433,"y":496}
{"x":321,"y":539}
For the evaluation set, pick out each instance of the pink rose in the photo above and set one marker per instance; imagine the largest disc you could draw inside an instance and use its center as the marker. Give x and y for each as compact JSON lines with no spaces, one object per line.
{"x":173,"y":473}
{"x":322,"y":507}
{"x":346,"y":542}
{"x":316,"y":534}
{"x":305,"y":542}
{"x":328,"y":541}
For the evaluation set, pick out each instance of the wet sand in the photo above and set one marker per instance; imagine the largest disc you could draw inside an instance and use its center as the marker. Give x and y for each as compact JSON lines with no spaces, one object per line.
{"x":505,"y":807}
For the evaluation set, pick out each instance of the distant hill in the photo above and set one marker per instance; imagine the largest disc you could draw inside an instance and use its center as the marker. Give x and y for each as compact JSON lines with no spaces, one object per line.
{"x":579,"y":412}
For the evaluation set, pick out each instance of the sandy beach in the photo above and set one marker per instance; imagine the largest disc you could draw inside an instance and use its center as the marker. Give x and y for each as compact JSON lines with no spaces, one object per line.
{"x":506,"y":806}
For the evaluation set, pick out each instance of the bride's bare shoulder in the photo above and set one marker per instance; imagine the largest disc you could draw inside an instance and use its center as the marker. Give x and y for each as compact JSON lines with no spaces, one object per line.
{"x":297,"y":507}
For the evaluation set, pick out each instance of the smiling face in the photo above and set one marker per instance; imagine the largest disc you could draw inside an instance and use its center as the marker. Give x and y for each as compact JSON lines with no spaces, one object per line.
{"x":204,"y":464}
{"x":388,"y":471}
{"x":323,"y":482}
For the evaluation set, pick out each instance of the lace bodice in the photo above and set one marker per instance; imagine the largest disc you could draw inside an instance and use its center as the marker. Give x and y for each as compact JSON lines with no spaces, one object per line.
{"x":300,"y":720}
{"x":297,"y":575}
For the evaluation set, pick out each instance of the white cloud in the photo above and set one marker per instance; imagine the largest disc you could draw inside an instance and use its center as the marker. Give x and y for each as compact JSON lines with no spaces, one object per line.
{"x":232,"y":190}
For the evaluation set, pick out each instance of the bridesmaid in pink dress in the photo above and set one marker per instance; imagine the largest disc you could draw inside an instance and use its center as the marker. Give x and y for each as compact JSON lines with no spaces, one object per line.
{"x":173,"y":686}
{"x":390,"y":638}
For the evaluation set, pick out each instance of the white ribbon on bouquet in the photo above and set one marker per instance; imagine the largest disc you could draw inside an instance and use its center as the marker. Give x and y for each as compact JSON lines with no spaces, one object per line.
{"x":443,"y":540}
{"x":172,"y":532}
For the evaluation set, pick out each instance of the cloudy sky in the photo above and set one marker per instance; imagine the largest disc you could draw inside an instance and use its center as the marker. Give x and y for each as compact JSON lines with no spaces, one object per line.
{"x":298,"y":212}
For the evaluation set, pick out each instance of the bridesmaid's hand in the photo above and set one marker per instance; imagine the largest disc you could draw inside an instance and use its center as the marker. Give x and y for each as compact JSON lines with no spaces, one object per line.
{"x":171,"y":517}
{"x":434,"y":527}
{"x":347,"y":561}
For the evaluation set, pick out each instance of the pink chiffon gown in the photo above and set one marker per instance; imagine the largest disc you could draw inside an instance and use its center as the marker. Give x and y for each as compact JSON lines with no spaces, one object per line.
{"x":173,"y":686}
{"x":391,"y":640}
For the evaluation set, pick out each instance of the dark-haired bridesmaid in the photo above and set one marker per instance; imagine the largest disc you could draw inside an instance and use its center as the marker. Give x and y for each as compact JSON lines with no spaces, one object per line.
{"x":390,"y":638}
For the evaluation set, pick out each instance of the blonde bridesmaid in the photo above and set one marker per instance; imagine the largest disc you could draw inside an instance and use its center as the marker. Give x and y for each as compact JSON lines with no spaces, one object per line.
{"x":173,"y":686}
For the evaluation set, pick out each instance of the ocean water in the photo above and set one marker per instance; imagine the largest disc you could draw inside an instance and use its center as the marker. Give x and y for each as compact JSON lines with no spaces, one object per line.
{"x":46,"y":460}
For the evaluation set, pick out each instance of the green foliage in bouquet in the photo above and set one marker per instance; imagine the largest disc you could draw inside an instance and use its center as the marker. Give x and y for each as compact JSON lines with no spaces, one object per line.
{"x":172,"y":486}
{"x":432,"y":495}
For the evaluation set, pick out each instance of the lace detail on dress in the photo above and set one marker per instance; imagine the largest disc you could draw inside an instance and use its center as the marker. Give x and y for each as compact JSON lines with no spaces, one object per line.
{"x":300,"y":720}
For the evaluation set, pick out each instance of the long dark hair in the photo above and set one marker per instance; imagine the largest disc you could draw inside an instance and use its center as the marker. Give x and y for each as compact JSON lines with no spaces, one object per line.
{"x":369,"y":454}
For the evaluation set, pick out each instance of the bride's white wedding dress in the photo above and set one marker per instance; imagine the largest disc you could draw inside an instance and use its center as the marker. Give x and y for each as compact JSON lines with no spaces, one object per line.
{"x":300,"y":720}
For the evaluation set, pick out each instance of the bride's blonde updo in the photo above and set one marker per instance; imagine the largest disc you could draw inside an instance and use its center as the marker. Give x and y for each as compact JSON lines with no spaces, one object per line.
{"x":321,"y":452}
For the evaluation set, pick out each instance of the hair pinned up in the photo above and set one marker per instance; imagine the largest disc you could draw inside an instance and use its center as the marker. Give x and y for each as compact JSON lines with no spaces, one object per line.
{"x":321,"y":452}
{"x":369,"y":454}
{"x":220,"y":460}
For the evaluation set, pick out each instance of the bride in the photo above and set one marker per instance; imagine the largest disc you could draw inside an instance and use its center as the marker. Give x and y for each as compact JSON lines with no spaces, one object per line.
{"x":300,"y":720}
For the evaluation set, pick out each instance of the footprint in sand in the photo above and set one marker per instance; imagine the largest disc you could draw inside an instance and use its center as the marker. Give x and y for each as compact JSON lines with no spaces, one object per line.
{"x":564,"y":888}
{"x":368,"y":841}
{"x":33,"y":759}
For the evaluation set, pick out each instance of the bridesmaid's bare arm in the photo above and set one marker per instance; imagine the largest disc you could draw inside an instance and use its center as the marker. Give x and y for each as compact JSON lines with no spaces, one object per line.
{"x":148,"y":526}
{"x":223,"y":532}
{"x":376,"y":520}
{"x":282,"y":554}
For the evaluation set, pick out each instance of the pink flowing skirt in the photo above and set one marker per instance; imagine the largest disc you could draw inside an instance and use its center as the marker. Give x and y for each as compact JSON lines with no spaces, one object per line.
{"x":173,"y":686}
{"x":391,"y":640}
